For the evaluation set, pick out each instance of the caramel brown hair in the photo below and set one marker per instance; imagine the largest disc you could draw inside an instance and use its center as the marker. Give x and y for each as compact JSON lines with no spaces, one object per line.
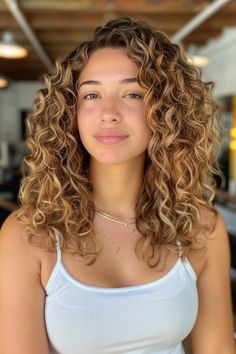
{"x":178,"y":182}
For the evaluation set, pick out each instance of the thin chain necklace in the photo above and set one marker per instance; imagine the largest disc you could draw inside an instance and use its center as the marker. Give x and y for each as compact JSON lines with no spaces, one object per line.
{"x":125,"y":222}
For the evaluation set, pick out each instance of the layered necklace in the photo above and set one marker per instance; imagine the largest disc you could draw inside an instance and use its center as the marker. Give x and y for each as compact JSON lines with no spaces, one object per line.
{"x":125,"y":222}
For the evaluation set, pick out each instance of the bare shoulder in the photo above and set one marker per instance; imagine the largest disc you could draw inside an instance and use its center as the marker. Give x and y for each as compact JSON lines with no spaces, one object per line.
{"x":13,"y":241}
{"x":216,"y":236}
{"x":12,"y":223}
{"x":22,"y":295}
{"x":215,"y":306}
{"x":211,"y":246}
{"x":12,"y":229}
{"x":210,"y":235}
{"x":218,"y":248}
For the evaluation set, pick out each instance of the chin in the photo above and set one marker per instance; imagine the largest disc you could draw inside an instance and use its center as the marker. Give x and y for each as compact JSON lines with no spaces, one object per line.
{"x":110,"y":161}
{"x":117,"y":160}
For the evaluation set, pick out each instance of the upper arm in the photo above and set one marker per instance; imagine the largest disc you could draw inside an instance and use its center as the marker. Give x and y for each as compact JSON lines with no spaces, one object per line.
{"x":213,"y":331}
{"x":22,"y":328}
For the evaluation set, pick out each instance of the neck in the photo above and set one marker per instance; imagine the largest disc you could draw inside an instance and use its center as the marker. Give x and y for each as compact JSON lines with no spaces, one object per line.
{"x":116,"y":187}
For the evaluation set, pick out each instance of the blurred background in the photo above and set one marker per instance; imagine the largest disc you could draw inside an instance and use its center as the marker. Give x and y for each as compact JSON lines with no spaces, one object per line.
{"x":33,"y":33}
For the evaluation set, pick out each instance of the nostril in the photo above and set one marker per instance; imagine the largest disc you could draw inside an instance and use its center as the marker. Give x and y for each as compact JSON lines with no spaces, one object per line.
{"x":110,"y":117}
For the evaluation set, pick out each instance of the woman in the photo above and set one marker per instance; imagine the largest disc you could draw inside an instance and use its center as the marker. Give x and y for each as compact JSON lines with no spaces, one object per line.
{"x":116,"y":247}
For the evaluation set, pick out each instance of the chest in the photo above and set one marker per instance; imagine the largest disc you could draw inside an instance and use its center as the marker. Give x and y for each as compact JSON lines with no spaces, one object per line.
{"x":156,"y":316}
{"x":132,"y":307}
{"x":117,"y":265}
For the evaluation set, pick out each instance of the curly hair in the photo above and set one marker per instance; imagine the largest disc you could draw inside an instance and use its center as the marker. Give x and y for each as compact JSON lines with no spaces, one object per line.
{"x":180,"y":162}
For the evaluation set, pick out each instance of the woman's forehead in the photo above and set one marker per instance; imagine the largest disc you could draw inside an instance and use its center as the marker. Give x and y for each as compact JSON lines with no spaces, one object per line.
{"x":107,"y":61}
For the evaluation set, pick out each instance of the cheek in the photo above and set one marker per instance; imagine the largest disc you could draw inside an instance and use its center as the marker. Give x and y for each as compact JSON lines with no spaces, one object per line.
{"x":146,"y":137}
{"x":137,"y":118}
{"x":83,"y":116}
{"x":145,"y":132}
{"x":138,"y":113}
{"x":140,"y":119}
{"x":83,"y":125}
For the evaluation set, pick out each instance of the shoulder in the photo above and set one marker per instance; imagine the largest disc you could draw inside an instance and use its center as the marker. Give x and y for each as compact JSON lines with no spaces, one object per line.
{"x":12,"y":230}
{"x":213,"y":241}
{"x":12,"y":222}
{"x":216,"y":236}
{"x":14,"y":243}
{"x":22,"y":295}
{"x":215,"y":308}
{"x":208,"y":217}
{"x":218,"y":251}
{"x":210,"y":238}
{"x":209,"y":226}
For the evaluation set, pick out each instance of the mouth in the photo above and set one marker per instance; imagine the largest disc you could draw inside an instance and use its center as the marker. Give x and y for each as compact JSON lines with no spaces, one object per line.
{"x":110,"y":136}
{"x":110,"y":139}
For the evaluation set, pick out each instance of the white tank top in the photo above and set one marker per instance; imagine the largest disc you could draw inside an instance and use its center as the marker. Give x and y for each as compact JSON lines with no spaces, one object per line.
{"x":152,"y":318}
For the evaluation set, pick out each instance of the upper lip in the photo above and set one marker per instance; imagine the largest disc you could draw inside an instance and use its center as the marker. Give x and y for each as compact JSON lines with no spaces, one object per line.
{"x":111,"y":133}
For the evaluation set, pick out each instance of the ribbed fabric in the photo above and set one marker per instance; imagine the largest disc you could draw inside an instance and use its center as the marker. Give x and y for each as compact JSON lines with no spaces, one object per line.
{"x":152,"y":318}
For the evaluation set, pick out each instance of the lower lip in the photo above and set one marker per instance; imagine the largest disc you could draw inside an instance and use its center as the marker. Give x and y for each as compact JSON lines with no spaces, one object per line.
{"x":110,"y":139}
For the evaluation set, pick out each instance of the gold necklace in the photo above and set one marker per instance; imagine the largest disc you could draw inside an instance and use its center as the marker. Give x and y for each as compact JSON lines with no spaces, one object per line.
{"x":125,"y":222}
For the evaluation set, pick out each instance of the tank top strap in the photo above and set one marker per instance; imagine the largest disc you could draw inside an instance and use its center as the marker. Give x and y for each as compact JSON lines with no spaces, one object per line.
{"x":58,"y":244}
{"x":179,"y":247}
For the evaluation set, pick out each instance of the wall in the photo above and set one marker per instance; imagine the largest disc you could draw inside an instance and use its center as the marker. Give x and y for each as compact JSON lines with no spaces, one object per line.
{"x":221,"y":68}
{"x":18,"y":96}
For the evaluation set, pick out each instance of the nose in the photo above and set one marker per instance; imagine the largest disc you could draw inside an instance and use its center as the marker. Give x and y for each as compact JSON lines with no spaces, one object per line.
{"x":110,"y":111}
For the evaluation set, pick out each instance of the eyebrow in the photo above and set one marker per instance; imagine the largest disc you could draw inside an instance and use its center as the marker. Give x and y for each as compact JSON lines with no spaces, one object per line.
{"x":96,"y":82}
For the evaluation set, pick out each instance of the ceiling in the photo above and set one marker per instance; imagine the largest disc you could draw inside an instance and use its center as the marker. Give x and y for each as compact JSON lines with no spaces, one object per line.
{"x":60,"y":25}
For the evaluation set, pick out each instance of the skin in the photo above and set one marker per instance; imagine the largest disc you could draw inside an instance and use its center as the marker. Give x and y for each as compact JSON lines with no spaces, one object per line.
{"x":112,"y":103}
{"x":25,"y":270}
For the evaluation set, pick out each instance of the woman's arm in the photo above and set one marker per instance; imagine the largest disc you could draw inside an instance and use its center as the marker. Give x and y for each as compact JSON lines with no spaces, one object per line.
{"x":213,"y":331}
{"x":22,"y":328}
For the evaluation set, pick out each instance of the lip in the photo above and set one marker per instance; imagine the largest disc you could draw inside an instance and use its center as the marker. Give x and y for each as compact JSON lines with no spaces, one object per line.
{"x":110,"y":136}
{"x":110,"y":139}
{"x":115,"y":133}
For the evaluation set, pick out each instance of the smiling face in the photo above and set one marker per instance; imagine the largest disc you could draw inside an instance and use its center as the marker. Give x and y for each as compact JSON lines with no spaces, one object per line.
{"x":111,"y":112}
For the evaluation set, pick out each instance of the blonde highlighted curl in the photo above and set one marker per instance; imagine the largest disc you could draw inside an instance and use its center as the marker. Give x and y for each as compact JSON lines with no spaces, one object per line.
{"x":181,"y":158}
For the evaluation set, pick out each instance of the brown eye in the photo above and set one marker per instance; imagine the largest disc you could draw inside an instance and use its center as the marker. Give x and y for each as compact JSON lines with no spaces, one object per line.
{"x":90,"y":96}
{"x":134,"y":96}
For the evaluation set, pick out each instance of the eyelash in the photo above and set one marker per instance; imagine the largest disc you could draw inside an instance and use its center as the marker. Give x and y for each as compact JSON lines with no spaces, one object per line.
{"x":137,"y":96}
{"x":89,"y":94}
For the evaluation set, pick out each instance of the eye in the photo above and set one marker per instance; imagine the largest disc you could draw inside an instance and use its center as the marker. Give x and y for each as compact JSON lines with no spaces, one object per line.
{"x":90,"y":96}
{"x":134,"y":96}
